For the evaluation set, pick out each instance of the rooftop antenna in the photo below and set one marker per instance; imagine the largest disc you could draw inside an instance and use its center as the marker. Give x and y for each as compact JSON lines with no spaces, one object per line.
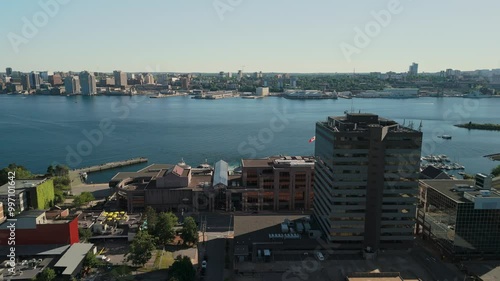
{"x":420,"y":126}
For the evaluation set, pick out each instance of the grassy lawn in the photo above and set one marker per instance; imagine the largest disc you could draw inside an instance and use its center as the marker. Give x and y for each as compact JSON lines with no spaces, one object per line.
{"x":165,"y":261}
{"x":160,"y":261}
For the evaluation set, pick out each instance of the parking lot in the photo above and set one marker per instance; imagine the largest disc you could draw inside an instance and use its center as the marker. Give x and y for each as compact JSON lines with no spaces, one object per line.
{"x":308,"y":267}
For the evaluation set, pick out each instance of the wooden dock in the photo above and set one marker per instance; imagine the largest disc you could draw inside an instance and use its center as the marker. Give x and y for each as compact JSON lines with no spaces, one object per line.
{"x":112,"y":165}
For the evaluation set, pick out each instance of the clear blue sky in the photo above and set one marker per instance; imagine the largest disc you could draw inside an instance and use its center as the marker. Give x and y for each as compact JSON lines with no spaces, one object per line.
{"x":267,"y":35}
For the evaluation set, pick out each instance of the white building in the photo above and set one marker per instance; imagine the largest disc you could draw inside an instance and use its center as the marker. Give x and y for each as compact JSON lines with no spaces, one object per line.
{"x":262,"y":91}
{"x":149,"y":79}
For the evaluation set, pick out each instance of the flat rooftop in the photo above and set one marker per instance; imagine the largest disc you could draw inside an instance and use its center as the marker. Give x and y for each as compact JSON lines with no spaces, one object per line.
{"x":155,"y":168}
{"x":278,"y":161}
{"x":257,"y":163}
{"x":452,"y":188}
{"x":258,"y":227}
{"x":73,"y":257}
{"x":36,"y":250}
{"x":21,"y":185}
{"x":30,"y":214}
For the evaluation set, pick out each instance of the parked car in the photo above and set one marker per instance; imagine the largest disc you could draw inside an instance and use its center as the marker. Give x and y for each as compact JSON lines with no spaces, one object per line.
{"x":319,"y":256}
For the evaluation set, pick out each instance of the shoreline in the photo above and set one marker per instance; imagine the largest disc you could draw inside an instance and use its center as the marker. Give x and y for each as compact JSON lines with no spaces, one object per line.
{"x":476,"y":126}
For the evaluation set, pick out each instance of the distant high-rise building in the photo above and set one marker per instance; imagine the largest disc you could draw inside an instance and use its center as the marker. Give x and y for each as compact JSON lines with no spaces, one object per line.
{"x":25,"y":81}
{"x":35,"y":80}
{"x":185,"y":83}
{"x":120,"y":78}
{"x":162,"y":78}
{"x":366,"y":181}
{"x":413,"y":71}
{"x":229,"y":75}
{"x":44,"y":75}
{"x":8,"y":71}
{"x":449,"y":72}
{"x":87,"y":83}
{"x":293,"y":82}
{"x":55,"y":80}
{"x":240,"y":74}
{"x":221,"y":74}
{"x":149,"y":79}
{"x":279,"y":84}
{"x":72,"y":84}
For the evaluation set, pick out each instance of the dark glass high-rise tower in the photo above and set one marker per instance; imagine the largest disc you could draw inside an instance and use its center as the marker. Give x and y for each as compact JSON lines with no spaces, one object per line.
{"x":366,"y":184}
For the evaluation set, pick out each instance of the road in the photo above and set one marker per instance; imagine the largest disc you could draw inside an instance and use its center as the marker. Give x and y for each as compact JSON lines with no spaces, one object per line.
{"x":433,"y":264}
{"x":215,"y":251}
{"x":218,"y":227}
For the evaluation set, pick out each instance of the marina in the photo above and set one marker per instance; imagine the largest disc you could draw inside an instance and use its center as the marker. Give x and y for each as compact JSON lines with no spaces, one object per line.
{"x":441,"y":162}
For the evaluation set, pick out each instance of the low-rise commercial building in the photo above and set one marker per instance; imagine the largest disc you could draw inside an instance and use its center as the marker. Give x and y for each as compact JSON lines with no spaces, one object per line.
{"x":33,"y":228}
{"x":71,"y":263}
{"x":37,"y":194}
{"x":281,"y":183}
{"x":164,"y":187}
{"x":461,"y":218}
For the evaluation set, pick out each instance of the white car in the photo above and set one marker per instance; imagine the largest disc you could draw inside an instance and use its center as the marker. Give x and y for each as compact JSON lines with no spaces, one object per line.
{"x":204,"y":264}
{"x":319,"y":256}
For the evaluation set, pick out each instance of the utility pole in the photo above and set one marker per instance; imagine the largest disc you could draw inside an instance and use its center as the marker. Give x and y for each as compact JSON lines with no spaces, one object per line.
{"x":204,"y":228}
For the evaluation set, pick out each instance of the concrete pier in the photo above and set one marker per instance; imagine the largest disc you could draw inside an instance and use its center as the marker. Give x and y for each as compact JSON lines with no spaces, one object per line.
{"x":112,"y":165}
{"x":75,"y":177}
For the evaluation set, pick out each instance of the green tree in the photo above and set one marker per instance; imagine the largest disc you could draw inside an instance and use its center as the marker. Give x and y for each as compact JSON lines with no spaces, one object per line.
{"x":21,"y":173}
{"x":141,"y":248}
{"x":496,"y":171}
{"x":91,"y":261}
{"x":51,"y":171}
{"x":84,"y":234}
{"x":164,"y":229}
{"x":59,"y":196}
{"x":48,"y":274}
{"x":152,"y":218}
{"x":83,"y":198}
{"x":62,"y":183}
{"x":189,"y":231}
{"x":183,"y":269}
{"x":61,"y":170}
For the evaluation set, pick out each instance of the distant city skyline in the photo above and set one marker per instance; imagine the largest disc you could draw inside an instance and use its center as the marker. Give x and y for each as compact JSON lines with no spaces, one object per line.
{"x":268,"y":36}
